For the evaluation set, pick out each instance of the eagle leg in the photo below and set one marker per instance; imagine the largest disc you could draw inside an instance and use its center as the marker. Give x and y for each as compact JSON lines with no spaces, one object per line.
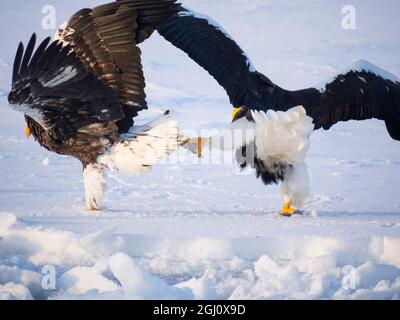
{"x":295,"y":189}
{"x":27,"y":131}
{"x":95,"y":185}
{"x":195,"y":145}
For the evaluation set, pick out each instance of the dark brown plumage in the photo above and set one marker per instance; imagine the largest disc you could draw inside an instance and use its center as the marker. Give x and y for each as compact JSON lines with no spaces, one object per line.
{"x":80,"y":93}
{"x":105,"y":39}
{"x":66,"y":107}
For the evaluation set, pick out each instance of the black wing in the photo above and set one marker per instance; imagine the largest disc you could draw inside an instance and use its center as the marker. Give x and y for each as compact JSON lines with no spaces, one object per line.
{"x":357,"y":95}
{"x":209,"y":45}
{"x":150,"y":15}
{"x":351,"y":96}
{"x":53,"y":87}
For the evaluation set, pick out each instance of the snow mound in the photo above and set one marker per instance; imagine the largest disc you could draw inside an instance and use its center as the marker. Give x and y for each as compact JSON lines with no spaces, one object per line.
{"x":359,"y":65}
{"x":12,"y":291}
{"x":117,"y":277}
{"x":6,"y":221}
{"x":104,"y":265}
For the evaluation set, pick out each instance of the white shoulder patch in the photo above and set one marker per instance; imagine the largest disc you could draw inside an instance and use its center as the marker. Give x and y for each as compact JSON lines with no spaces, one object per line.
{"x":31,"y":112}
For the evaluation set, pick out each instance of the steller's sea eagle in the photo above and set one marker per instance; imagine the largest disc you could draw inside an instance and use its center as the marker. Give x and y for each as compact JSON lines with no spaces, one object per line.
{"x":280,"y":120}
{"x":81,"y":92}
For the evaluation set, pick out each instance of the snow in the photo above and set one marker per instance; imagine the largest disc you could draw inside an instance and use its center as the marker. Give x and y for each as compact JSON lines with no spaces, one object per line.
{"x":134,"y":282}
{"x":193,"y":230}
{"x":12,"y":291}
{"x":46,"y":161}
{"x":107,"y":264}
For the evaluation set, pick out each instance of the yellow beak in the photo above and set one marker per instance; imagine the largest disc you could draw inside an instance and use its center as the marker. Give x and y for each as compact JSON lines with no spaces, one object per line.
{"x":235,"y":112}
{"x":27,"y":131}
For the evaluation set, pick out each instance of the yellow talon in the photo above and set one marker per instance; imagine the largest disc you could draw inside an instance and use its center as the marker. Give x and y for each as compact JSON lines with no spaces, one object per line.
{"x":27,"y":131}
{"x":199,"y":147}
{"x":287,"y":210}
{"x":195,"y":145}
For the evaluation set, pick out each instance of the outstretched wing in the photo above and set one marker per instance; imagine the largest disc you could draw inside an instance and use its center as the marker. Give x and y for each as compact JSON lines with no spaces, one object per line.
{"x":52,"y":86}
{"x":150,"y":15}
{"x":353,"y":95}
{"x":208,"y":44}
{"x":106,"y":38}
{"x":356,"y":95}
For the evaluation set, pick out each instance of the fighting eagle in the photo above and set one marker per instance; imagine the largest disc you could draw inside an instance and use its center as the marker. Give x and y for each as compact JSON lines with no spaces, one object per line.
{"x":81,"y":92}
{"x":280,"y":120}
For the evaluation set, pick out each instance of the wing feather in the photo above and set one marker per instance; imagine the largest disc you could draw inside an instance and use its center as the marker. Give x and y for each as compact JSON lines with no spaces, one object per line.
{"x":151,"y":14}
{"x":213,"y":49}
{"x":56,"y":91}
{"x":106,"y":37}
{"x":38,"y":53}
{"x":356,"y":95}
{"x":17,"y":62}
{"x":28,"y":54}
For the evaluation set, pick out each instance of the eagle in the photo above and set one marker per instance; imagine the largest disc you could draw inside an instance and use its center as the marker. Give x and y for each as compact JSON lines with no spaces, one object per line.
{"x":81,"y":93}
{"x":279,"y":122}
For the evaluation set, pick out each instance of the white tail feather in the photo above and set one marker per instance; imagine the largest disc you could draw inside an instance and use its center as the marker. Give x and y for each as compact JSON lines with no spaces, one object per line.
{"x":143,"y":146}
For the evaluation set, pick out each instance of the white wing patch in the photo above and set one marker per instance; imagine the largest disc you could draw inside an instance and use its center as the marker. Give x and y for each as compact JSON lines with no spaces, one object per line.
{"x":64,"y":75}
{"x":143,"y":146}
{"x":283,"y":135}
{"x":31,"y":112}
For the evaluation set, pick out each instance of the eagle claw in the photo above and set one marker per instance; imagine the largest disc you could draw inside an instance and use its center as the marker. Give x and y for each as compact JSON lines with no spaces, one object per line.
{"x":288,"y":211}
